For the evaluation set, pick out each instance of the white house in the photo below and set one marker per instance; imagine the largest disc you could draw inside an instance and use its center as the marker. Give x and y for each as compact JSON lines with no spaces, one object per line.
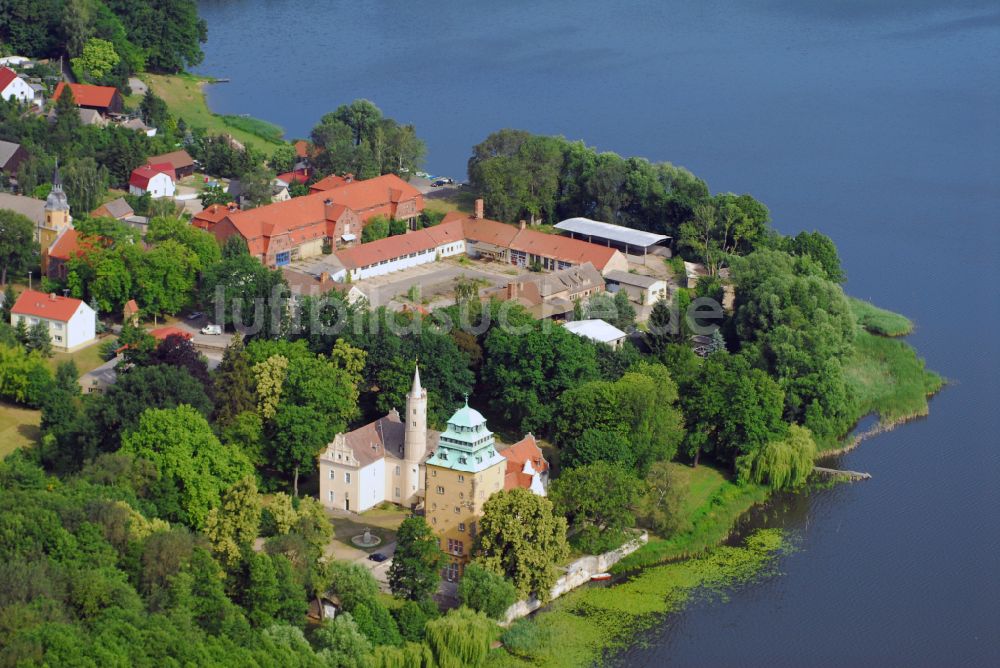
{"x":13,"y":86}
{"x":381,"y":461}
{"x":72,"y":324}
{"x":645,"y":290}
{"x":158,"y":180}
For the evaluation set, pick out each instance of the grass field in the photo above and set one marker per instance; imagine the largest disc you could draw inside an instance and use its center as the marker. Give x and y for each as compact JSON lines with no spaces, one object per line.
{"x":888,"y":378}
{"x":878,"y":320}
{"x":184,"y":96}
{"x":714,"y":504}
{"x":18,"y":428}
{"x":86,"y":359}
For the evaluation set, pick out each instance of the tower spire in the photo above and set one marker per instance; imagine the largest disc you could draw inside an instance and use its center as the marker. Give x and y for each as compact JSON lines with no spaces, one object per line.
{"x":416,"y":390}
{"x":56,"y":179}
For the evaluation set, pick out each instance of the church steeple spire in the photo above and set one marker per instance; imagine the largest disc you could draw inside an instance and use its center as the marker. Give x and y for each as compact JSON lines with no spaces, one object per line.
{"x":56,"y":179}
{"x":416,"y":390}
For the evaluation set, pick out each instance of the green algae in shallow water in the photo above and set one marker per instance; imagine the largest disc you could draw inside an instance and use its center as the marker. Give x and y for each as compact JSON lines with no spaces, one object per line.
{"x":582,"y":627}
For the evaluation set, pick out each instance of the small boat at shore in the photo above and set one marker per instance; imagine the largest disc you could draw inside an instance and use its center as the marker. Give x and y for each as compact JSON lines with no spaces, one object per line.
{"x":600,"y":577}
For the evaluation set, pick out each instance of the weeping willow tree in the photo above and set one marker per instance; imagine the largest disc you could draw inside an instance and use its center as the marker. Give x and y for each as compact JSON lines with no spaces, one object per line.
{"x":459,"y":639}
{"x":412,"y":655}
{"x":783,"y":464}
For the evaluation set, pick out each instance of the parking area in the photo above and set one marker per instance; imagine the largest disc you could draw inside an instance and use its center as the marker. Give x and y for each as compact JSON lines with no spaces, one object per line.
{"x":434,"y":281}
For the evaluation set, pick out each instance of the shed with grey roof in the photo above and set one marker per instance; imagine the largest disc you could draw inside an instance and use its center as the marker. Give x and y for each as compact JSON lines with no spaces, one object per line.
{"x":635,"y":242}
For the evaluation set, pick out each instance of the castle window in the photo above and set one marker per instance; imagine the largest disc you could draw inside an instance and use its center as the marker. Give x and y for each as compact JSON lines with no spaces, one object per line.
{"x":397,"y":470}
{"x":331,"y":495}
{"x":347,"y":477}
{"x":461,"y":526}
{"x":434,"y":473}
{"x":331,"y":474}
{"x":414,"y":423}
{"x":397,"y":492}
{"x":440,"y":489}
{"x":461,"y":478}
{"x":457,"y":510}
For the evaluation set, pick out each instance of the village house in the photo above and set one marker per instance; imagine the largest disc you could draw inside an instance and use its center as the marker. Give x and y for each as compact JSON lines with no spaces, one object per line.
{"x":158,"y":180}
{"x":71,"y":323}
{"x":105,"y":100}
{"x":644,"y":290}
{"x":552,"y":295}
{"x":58,"y":255}
{"x":181,"y":161}
{"x":212,"y":214}
{"x":117,"y":208}
{"x":303,"y":284}
{"x":11,"y":157}
{"x":13,"y":87}
{"x":279,"y":233}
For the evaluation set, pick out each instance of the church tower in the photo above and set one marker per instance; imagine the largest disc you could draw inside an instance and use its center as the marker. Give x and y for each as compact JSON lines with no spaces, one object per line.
{"x":57,"y":218}
{"x":414,"y":440}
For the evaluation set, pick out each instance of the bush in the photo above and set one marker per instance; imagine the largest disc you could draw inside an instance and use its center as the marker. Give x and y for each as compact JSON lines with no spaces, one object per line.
{"x":526,"y":639}
{"x":484,"y":591}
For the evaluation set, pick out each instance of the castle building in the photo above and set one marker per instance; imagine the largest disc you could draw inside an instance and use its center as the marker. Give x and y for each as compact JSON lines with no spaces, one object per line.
{"x":57,"y":219}
{"x":462,"y":473}
{"x":381,"y":461}
{"x":449,"y":474}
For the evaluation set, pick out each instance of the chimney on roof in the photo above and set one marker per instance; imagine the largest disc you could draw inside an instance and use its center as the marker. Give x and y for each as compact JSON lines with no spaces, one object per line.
{"x":349,"y":178}
{"x":52,"y":296}
{"x":522,"y":224}
{"x":479,"y":209}
{"x":328,"y":201}
{"x":324,"y":276}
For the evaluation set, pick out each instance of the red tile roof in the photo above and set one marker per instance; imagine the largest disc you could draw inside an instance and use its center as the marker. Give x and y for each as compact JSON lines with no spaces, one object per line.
{"x":552,"y":246}
{"x":329,"y":183}
{"x":131,"y":307}
{"x":298,"y":176}
{"x":142,"y":175}
{"x":563,"y":248}
{"x":6,"y":76}
{"x":206,"y":218}
{"x":302,"y":148}
{"x":163,"y":332}
{"x":50,"y":307}
{"x":305,"y":218}
{"x":445,"y":233}
{"x":386,"y":249}
{"x":179,"y":159}
{"x":524,"y":450}
{"x":86,"y":95}
{"x":66,"y":246}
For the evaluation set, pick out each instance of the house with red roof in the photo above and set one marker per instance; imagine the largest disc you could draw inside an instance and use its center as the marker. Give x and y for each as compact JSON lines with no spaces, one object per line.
{"x":71,"y":323}
{"x":212,"y":214}
{"x":14,"y":87}
{"x":526,"y":466}
{"x":331,"y":182}
{"x":158,"y":180}
{"x":297,"y":228}
{"x":181,"y":161}
{"x":102,"y":99}
{"x":66,"y":247}
{"x":524,"y":247}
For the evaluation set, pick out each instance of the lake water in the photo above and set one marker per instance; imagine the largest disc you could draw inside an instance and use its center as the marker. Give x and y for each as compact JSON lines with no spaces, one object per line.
{"x":875,"y":122}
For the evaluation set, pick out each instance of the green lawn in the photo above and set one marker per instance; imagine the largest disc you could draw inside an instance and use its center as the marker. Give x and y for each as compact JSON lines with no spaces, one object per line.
{"x":86,"y":359}
{"x":878,"y":320}
{"x":18,"y":428}
{"x":381,"y":521}
{"x":184,"y":96}
{"x":714,"y":504}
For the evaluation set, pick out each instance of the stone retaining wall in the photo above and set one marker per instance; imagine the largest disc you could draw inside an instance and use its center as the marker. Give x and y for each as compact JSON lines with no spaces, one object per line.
{"x":577,"y":573}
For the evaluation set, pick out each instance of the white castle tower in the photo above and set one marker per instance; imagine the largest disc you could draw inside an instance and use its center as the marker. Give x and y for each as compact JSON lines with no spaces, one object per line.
{"x":414,"y":440}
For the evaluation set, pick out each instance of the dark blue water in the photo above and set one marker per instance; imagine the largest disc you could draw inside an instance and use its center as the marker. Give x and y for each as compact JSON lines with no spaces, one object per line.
{"x":875,"y":122}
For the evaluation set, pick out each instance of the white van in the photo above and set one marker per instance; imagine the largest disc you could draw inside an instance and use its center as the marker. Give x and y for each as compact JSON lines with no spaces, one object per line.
{"x":211,"y":329}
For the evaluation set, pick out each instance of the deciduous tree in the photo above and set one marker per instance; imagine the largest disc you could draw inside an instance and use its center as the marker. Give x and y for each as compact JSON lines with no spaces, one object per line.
{"x":416,"y":564}
{"x":522,"y":539}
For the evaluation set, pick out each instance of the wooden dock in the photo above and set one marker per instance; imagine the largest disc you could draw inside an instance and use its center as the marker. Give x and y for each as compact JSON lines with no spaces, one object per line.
{"x":838,"y":473}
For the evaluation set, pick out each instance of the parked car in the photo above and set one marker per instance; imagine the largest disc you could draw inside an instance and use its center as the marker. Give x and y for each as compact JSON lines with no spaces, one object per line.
{"x":195,"y":315}
{"x":214,"y":330}
{"x":378,"y":556}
